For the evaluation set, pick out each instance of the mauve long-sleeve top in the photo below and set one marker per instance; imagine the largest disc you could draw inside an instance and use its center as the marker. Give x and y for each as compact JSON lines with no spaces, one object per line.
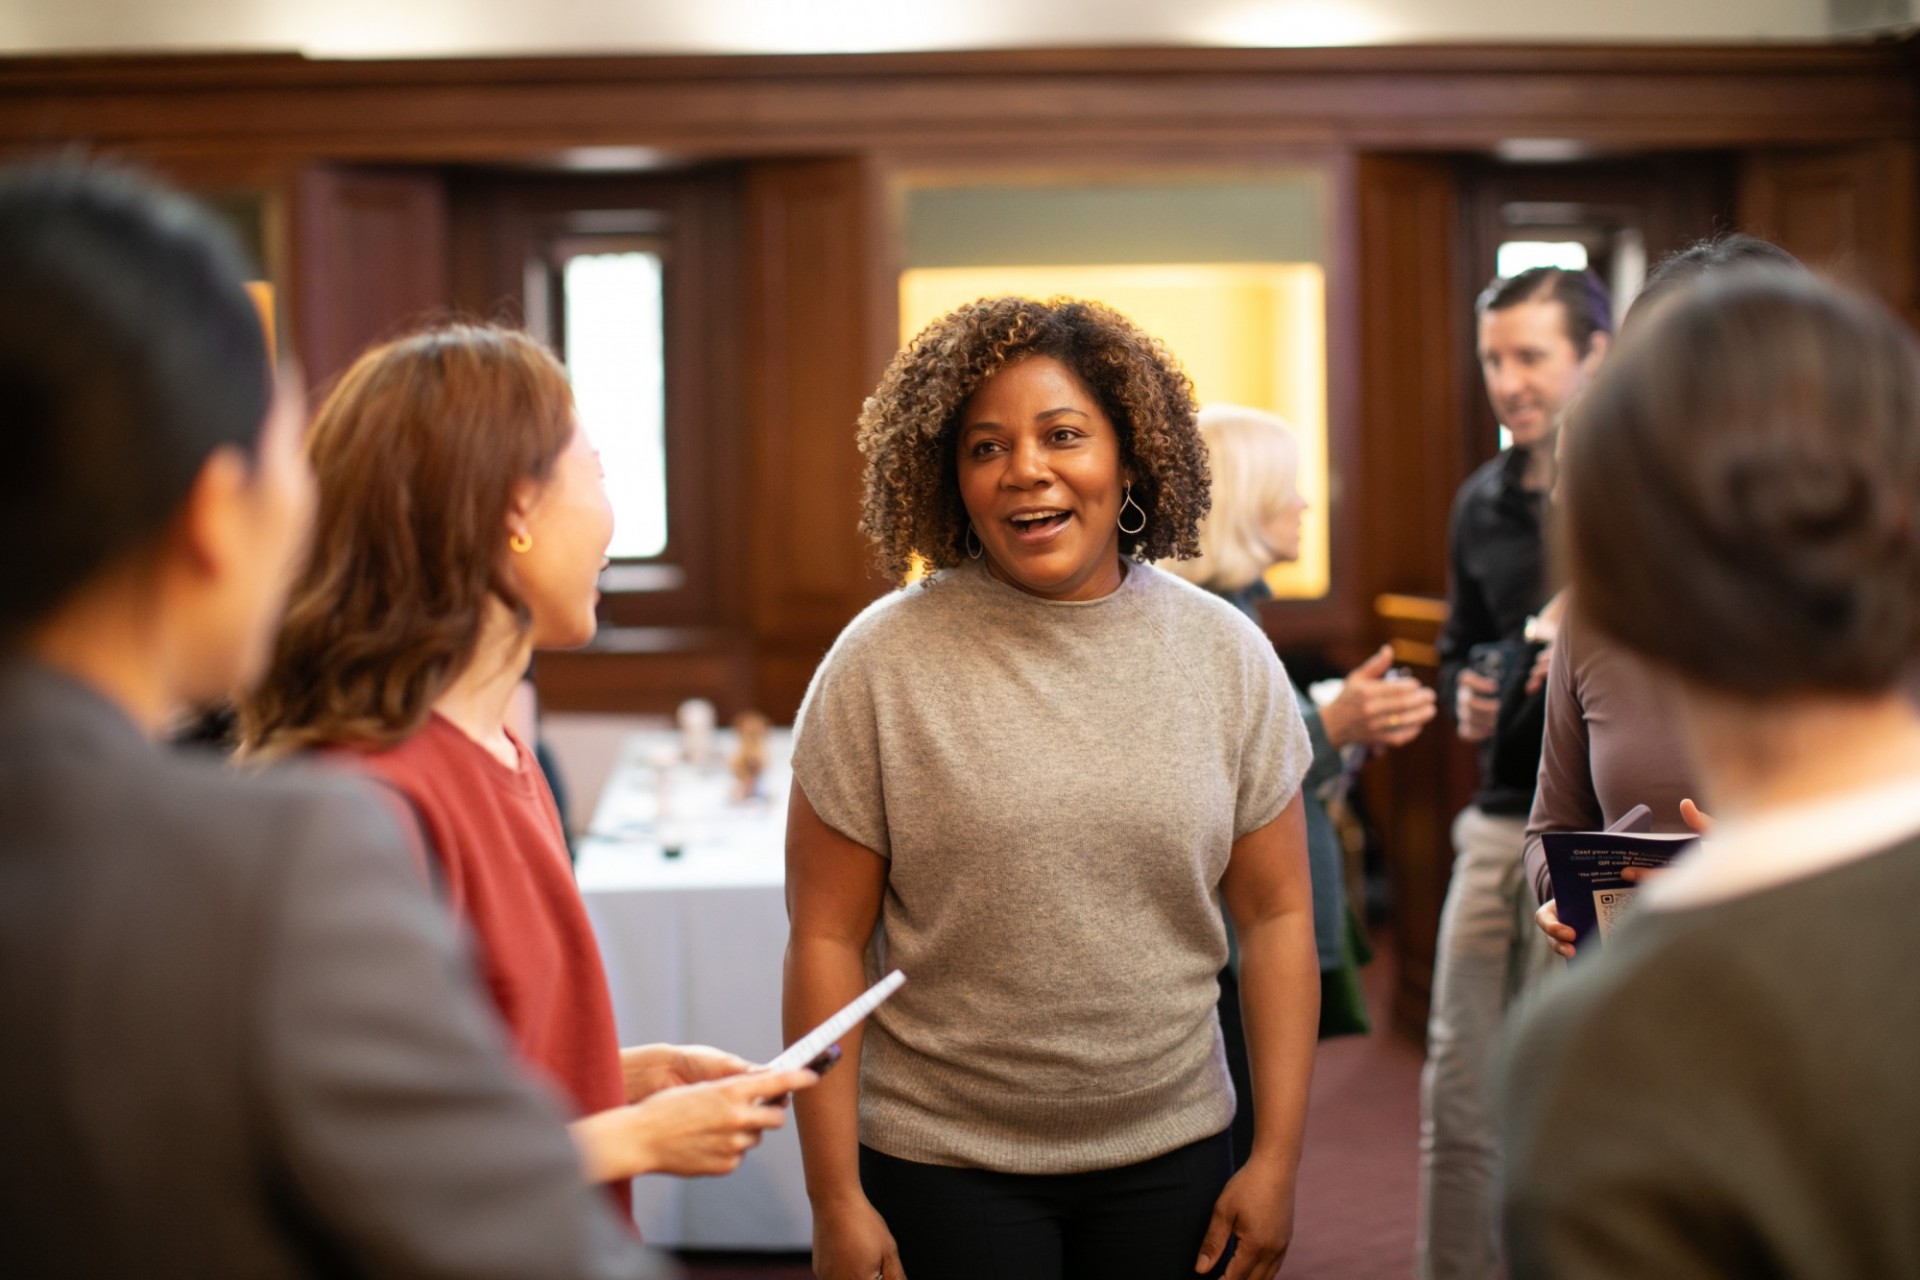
{"x":1611,"y":743}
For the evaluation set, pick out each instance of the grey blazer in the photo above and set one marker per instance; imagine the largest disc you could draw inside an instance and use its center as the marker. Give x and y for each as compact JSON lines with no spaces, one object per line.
{"x":239,"y":1038}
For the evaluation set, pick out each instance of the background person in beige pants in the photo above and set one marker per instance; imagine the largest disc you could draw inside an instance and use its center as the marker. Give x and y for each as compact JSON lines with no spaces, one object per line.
{"x":1541,"y":336}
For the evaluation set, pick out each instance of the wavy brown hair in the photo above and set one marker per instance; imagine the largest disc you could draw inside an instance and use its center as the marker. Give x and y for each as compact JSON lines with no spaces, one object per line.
{"x":912,"y":509}
{"x":418,"y":451}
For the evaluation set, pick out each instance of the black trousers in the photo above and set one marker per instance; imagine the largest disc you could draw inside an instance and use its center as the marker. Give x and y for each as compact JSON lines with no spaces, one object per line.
{"x":1141,"y":1222}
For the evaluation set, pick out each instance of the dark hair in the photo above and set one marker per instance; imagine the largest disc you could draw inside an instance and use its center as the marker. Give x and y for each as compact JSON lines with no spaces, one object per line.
{"x":1739,"y":494}
{"x":417,"y":451}
{"x":1717,"y":253}
{"x":129,"y":352}
{"x":912,"y":507}
{"x":1584,"y":301}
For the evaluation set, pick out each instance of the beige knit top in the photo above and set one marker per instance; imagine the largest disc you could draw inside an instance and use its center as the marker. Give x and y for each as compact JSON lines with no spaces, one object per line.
{"x":1057,"y":788}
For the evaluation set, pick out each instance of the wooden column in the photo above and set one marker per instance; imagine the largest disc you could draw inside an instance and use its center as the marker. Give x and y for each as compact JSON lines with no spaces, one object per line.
{"x":370,"y":260}
{"x":1847,"y":210}
{"x":1413,"y":338}
{"x":809,"y":370}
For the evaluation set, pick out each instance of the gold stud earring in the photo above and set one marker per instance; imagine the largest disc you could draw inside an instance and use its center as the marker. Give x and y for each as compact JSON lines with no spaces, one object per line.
{"x":521,"y":543}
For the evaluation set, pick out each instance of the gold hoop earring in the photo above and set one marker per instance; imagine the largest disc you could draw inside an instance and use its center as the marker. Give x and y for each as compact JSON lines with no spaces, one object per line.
{"x":520,"y":543}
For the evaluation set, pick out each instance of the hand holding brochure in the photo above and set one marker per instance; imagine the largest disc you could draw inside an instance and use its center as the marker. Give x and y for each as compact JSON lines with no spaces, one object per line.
{"x":816,"y":1042}
{"x":1589,"y":892}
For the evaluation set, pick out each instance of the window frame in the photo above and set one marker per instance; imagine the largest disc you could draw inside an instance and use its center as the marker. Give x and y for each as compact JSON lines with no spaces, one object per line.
{"x":512,"y":235}
{"x":662,"y":571}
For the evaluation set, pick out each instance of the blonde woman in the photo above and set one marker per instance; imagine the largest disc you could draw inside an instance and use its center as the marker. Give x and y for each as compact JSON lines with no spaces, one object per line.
{"x":1254,"y":524}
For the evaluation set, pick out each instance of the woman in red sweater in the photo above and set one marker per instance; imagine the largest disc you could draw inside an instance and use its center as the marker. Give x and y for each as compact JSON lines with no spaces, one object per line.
{"x":463,"y":524}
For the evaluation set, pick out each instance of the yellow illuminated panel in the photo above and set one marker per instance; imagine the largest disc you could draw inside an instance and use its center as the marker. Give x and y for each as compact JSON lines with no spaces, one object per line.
{"x":1247,"y":333}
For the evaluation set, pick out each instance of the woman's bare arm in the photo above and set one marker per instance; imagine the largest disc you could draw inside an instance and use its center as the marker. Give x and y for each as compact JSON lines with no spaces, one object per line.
{"x":834,"y":887}
{"x":1268,"y":891}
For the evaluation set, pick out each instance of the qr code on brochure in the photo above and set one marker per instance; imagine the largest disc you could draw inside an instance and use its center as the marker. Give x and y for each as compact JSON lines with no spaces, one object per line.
{"x":1610,"y":906}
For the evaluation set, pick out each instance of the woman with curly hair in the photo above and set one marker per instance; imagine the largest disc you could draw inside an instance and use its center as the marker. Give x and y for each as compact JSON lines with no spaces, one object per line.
{"x":1022,"y":781}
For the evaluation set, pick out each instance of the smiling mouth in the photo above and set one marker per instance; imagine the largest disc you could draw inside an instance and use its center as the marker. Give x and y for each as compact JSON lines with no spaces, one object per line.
{"x":1034,"y":525}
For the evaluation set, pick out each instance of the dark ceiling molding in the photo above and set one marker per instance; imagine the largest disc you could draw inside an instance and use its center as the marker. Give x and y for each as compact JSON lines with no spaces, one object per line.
{"x":1609,"y":98}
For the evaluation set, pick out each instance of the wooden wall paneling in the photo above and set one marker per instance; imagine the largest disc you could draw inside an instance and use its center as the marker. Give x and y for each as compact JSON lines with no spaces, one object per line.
{"x":369,"y":258}
{"x":1339,"y":627}
{"x":1847,"y":210}
{"x":1411,"y":343}
{"x":724,"y":428}
{"x":261,"y":189}
{"x":651,"y":671}
{"x":485,"y":278}
{"x":1412,"y":334}
{"x":810,"y":357}
{"x":587,"y":109}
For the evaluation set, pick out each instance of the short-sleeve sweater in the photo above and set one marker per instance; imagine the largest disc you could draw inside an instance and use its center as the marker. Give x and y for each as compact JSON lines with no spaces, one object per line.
{"x":1057,"y":787}
{"x":496,"y":838}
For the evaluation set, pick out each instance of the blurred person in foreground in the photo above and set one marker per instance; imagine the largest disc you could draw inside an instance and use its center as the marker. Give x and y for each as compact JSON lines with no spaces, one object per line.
{"x":1252,"y":525}
{"x":1727,"y":1088}
{"x":463,"y":524}
{"x":1611,"y":739}
{"x":241,"y":1039}
{"x":1541,"y":336}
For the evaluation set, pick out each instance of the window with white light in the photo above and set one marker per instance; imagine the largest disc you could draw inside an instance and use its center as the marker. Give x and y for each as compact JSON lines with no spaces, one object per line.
{"x":613,"y":317}
{"x":1516,"y":256}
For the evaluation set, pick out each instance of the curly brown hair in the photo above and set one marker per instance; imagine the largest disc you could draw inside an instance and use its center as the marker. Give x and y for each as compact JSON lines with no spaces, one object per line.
{"x":912,"y":508}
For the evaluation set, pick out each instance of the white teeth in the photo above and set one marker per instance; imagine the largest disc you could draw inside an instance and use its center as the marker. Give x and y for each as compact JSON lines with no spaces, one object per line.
{"x":1035,"y":516}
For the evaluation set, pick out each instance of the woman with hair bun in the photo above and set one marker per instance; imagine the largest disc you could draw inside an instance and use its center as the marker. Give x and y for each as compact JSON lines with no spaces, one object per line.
{"x":1611,"y":741}
{"x":1022,"y":780}
{"x":463,"y":525}
{"x":1727,"y":1088}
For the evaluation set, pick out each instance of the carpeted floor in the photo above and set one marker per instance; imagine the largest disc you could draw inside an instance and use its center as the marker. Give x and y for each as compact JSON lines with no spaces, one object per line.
{"x":1353,"y":1217}
{"x":1355,"y":1211}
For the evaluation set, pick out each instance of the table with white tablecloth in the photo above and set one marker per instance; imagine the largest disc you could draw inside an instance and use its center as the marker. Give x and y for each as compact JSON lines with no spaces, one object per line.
{"x":693,"y":945}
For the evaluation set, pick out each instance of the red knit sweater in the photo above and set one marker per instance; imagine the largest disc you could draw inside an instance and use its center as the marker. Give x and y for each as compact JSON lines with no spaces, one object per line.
{"x":502,"y":855}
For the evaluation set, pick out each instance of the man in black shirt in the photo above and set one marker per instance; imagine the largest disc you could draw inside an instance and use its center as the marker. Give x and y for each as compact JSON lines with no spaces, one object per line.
{"x":1541,"y":336}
